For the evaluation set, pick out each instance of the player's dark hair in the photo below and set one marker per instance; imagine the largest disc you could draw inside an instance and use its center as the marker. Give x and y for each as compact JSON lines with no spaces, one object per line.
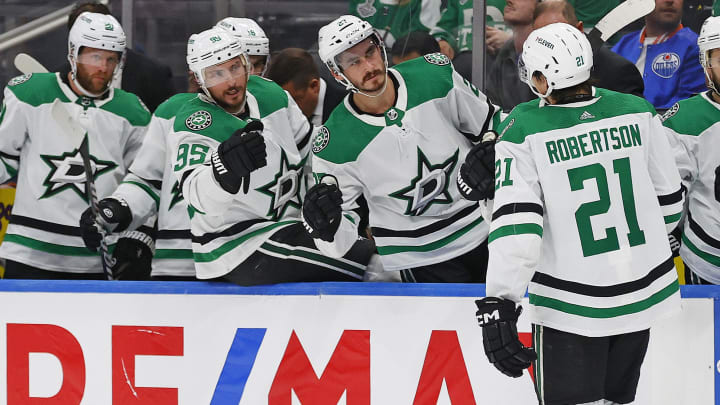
{"x":416,"y":41}
{"x":573,"y":93}
{"x":91,"y":6}
{"x":293,"y":64}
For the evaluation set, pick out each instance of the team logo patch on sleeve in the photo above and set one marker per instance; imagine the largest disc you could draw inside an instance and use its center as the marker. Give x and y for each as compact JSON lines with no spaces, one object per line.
{"x":437,"y":59}
{"x":669,"y":113}
{"x":19,"y":79}
{"x":322,"y":139}
{"x":199,"y":120}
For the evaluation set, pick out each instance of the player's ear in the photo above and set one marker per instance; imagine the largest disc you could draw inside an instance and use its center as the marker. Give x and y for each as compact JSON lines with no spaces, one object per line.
{"x":314,"y":85}
{"x":579,"y":26}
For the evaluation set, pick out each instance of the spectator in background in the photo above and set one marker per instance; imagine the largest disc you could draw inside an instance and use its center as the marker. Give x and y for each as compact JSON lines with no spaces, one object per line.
{"x":592,"y":11}
{"x":396,"y":18}
{"x":504,"y":86}
{"x":149,"y":80}
{"x":610,"y":70}
{"x":666,"y":53}
{"x":413,"y":45}
{"x":295,"y":71}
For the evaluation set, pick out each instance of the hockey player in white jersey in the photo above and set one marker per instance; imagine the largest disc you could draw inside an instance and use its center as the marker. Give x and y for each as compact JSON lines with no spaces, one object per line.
{"x":43,"y":240}
{"x":253,"y":39}
{"x":397,"y":139}
{"x":585,"y":193}
{"x":238,"y":157}
{"x":693,"y":126}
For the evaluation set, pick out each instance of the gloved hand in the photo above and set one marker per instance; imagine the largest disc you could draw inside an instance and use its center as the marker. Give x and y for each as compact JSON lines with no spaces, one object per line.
{"x":322,"y":209}
{"x":476,"y":178}
{"x":133,"y":256}
{"x":239,"y":155}
{"x":498,"y":319}
{"x":114,"y":216}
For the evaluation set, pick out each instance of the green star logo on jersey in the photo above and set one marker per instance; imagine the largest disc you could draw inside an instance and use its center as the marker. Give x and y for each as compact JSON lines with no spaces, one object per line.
{"x":430,"y":186}
{"x":284,"y":189}
{"x":176,"y":194}
{"x":68,"y":172}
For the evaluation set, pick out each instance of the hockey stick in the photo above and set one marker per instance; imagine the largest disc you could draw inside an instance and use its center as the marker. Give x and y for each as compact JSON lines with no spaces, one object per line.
{"x":619,"y":17}
{"x":75,"y":132}
{"x":27,"y":64}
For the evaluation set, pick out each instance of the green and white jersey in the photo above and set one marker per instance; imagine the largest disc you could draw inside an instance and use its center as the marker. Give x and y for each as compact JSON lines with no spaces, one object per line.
{"x":396,"y":18}
{"x":226,"y":228}
{"x":586,"y":194}
{"x":405,"y":164}
{"x":50,"y":198}
{"x":455,"y":25}
{"x":151,"y":190}
{"x":693,"y":126}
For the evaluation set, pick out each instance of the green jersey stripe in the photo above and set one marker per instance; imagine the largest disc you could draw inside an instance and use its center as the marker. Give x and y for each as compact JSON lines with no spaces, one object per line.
{"x":604,"y":313}
{"x":173,"y":254}
{"x":516,"y":229}
{"x":712,"y":259}
{"x":50,"y":247}
{"x":11,"y":170}
{"x":311,"y":256}
{"x":232,"y":244}
{"x":147,"y":189}
{"x":672,"y":218}
{"x":389,"y":250}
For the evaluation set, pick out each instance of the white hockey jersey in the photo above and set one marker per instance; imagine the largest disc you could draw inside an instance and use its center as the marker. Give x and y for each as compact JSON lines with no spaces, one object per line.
{"x":43,"y":230}
{"x":405,"y":164}
{"x":693,"y":126}
{"x":585,"y":196}
{"x":151,"y":189}
{"x":226,"y":228}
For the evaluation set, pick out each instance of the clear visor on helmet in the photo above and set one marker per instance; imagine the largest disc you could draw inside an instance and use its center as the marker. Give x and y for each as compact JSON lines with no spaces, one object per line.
{"x":99,"y":57}
{"x":230,"y":70}
{"x":712,"y":59}
{"x":367,"y":51}
{"x":257,"y":64}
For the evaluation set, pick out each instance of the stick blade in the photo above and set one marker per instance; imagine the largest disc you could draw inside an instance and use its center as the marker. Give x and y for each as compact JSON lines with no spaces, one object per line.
{"x":68,"y":126}
{"x":27,"y":64}
{"x":622,"y":15}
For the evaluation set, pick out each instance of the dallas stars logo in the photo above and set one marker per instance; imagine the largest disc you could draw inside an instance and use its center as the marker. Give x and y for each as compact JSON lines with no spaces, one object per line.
{"x":284,"y":188}
{"x":176,"y":193}
{"x":68,"y":172}
{"x":429,"y":187}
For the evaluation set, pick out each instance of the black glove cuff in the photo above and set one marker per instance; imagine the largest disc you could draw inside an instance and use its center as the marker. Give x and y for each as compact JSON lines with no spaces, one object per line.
{"x":492,"y":310}
{"x":224,"y":178}
{"x":146,"y":239}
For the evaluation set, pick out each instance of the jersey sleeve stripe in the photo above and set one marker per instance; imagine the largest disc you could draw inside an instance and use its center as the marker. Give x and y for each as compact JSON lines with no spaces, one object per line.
{"x":45,"y":225}
{"x":669,"y":199}
{"x":710,"y":258}
{"x":185,"y":254}
{"x":514,"y":208}
{"x":669,"y":219}
{"x":304,"y":141}
{"x":605,"y":313}
{"x":609,"y":290}
{"x":174,"y":234}
{"x":393,"y":249}
{"x":11,"y":170}
{"x":240,"y":227}
{"x":516,"y":229}
{"x":50,"y":247}
{"x":701,"y":234}
{"x":10,"y":157}
{"x":205,"y":257}
{"x":426,"y":230}
{"x":488,"y":120}
{"x":146,"y":189}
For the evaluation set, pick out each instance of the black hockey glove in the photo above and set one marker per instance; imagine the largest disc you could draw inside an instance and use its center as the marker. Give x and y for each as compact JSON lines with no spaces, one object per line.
{"x":114,"y":216}
{"x":476,"y":178}
{"x":133,"y":256}
{"x":239,"y":155}
{"x":498,"y":319}
{"x":322,"y":210}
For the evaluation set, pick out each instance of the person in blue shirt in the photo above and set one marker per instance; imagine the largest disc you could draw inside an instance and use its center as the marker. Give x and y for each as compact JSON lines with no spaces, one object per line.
{"x":666,"y":53}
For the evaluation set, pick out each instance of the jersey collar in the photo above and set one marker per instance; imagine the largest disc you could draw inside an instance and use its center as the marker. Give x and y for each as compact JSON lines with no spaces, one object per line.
{"x":401,"y":98}
{"x":70,"y":94}
{"x":595,"y":98}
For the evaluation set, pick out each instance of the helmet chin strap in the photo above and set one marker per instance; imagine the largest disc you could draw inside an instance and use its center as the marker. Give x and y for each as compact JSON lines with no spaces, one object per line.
{"x":711,"y":83}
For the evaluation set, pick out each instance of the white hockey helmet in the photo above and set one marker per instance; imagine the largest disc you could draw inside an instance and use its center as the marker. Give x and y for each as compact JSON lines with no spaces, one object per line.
{"x":212,"y":47}
{"x":560,"y":52}
{"x":708,"y":40}
{"x":99,"y":31}
{"x":253,"y":38}
{"x":342,"y":34}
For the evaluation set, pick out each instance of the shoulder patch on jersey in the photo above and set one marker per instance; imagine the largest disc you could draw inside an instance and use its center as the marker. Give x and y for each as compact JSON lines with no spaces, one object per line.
{"x":437,"y":59}
{"x":322,"y":139}
{"x":19,"y":79}
{"x":670,"y":112}
{"x":199,"y":120}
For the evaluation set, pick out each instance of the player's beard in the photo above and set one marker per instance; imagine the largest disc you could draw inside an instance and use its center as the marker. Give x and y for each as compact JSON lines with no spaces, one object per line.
{"x":236,"y":107}
{"x":86,"y":81}
{"x":377,"y":88}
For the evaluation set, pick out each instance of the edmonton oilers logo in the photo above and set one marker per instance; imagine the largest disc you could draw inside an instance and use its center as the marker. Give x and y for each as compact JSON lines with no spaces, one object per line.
{"x":666,"y":64}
